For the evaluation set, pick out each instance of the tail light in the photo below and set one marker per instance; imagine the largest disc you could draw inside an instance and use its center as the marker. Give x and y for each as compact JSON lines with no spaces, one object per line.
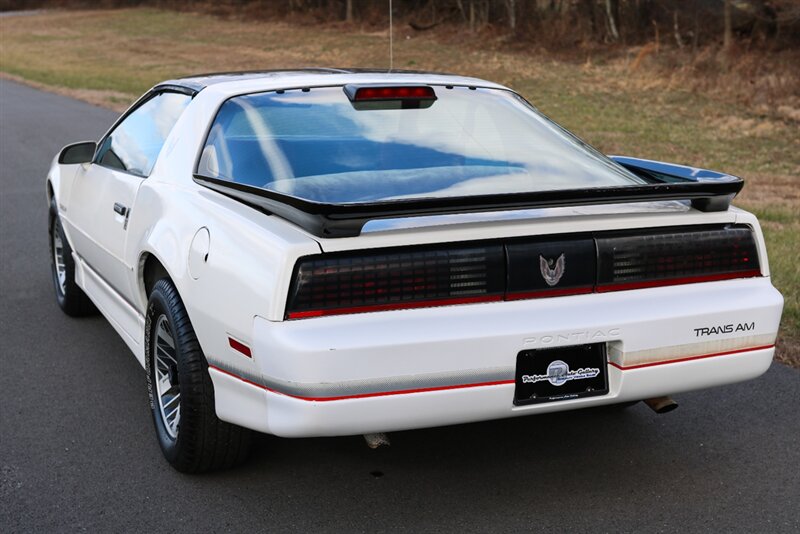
{"x":657,"y":259}
{"x":391,"y":279}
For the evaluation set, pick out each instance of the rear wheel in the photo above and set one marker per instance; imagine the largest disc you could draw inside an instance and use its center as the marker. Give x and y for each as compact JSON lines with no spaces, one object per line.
{"x":71,"y":298}
{"x":191,"y":436}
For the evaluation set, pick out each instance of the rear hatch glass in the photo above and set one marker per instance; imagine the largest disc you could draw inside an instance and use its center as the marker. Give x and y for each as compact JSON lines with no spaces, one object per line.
{"x":318,"y":146}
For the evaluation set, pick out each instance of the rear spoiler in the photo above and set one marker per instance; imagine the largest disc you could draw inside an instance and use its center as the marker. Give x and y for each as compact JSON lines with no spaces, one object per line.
{"x":707,"y":191}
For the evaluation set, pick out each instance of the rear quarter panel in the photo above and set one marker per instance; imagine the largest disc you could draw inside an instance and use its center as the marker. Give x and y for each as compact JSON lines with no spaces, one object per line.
{"x":250,"y":254}
{"x":245,"y":274}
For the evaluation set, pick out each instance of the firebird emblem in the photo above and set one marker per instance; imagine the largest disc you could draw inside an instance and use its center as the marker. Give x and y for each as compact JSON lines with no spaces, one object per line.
{"x":552,"y":270}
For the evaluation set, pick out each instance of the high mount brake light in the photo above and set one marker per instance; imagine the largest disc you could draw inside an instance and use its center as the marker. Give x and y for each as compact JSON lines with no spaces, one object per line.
{"x":389,"y":92}
{"x":417,"y":277}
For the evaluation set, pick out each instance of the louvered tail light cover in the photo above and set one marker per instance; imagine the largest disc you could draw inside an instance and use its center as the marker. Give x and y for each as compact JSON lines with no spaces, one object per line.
{"x":519,"y":268}
{"x":660,"y":258}
{"x":395,"y":279}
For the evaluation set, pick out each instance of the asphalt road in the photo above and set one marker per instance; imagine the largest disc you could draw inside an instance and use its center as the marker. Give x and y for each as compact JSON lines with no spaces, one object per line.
{"x":78,"y":452}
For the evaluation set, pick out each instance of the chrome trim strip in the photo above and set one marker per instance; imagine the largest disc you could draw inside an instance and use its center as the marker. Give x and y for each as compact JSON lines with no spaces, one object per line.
{"x":371,"y":386}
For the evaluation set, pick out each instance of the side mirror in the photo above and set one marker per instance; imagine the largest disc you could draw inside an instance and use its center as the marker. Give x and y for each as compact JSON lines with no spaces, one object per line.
{"x":77,"y":153}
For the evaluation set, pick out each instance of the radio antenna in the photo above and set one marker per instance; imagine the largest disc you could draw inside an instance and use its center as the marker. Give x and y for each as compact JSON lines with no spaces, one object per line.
{"x":391,"y":39}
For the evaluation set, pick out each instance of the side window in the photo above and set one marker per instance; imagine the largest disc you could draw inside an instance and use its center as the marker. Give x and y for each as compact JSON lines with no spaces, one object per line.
{"x":133,"y":146}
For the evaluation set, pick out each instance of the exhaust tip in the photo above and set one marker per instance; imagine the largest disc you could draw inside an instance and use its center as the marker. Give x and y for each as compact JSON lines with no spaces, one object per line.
{"x":661,"y":404}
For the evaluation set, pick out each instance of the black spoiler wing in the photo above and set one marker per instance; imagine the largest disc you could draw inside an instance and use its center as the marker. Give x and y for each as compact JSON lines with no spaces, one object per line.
{"x":707,"y":191}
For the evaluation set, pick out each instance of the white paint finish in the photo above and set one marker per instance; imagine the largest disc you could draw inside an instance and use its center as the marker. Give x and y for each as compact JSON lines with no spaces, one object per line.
{"x":240,"y":403}
{"x":553,"y":222}
{"x":228,"y":89}
{"x":198,"y":252}
{"x":475,"y":336}
{"x":60,"y":179}
{"x":290,"y":417}
{"x":98,"y":232}
{"x":680,"y":377}
{"x":123,"y":317}
{"x":246,"y":273}
{"x":241,"y":291}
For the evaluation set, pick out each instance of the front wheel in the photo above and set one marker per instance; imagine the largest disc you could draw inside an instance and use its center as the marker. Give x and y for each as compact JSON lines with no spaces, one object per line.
{"x":70,"y":297}
{"x":191,"y":436}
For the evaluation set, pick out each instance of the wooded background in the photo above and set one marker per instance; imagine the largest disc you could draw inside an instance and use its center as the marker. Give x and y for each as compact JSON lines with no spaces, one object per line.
{"x":685,"y":24}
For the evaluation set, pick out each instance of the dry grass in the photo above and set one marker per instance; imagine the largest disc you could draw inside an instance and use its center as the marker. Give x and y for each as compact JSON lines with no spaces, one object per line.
{"x":789,"y":351}
{"x":111,"y":57}
{"x":768,"y":82}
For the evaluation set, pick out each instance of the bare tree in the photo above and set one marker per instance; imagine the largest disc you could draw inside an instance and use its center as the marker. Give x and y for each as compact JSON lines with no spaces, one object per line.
{"x":471,"y":15}
{"x":460,"y":5}
{"x":689,"y":24}
{"x":612,"y":23}
{"x":511,"y":7}
{"x":727,"y":37}
{"x":676,"y":29}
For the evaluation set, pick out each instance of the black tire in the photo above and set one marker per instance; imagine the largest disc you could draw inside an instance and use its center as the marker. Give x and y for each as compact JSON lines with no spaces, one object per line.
{"x":201,"y":442}
{"x":71,"y":298}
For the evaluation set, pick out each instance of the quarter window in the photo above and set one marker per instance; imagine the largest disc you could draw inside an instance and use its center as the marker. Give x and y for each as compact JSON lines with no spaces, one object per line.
{"x":135,"y":143}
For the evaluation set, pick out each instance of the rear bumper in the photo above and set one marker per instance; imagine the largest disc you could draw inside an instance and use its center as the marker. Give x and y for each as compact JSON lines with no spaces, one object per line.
{"x":266,"y":411}
{"x":429,"y":367}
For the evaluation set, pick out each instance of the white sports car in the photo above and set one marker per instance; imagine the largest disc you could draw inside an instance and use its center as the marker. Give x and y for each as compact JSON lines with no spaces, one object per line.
{"x":329,"y":252}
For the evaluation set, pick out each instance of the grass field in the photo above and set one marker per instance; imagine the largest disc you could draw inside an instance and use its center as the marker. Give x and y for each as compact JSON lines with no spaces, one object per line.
{"x":111,"y":57}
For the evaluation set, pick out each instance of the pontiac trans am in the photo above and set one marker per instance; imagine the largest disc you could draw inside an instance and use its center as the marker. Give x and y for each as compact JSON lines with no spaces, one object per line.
{"x":328,"y":252}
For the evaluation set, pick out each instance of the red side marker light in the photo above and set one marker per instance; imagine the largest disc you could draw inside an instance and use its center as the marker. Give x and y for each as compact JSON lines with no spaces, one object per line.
{"x":240,"y":347}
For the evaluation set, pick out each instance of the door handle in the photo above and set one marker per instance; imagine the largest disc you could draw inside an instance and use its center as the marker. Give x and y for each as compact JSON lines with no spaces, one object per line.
{"x":119,"y":208}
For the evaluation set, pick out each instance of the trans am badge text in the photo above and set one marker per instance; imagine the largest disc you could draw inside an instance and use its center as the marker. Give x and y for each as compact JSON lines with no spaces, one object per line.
{"x":724,"y":329}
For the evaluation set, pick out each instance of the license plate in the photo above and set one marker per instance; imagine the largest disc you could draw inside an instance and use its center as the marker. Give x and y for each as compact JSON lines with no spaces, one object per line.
{"x":548,"y":375}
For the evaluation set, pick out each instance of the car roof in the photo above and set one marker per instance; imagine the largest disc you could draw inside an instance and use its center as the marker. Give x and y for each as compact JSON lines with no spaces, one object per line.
{"x":232,"y":82}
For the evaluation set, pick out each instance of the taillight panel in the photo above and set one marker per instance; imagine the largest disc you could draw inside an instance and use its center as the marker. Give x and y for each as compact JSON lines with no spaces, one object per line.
{"x":513,"y":269}
{"x":381,"y":280}
{"x":669,"y":257}
{"x":543,"y":268}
